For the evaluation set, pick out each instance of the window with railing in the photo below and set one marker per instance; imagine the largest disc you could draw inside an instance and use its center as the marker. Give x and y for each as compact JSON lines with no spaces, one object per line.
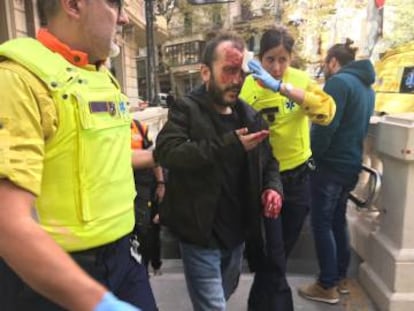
{"x":188,"y":23}
{"x":246,"y":11}
{"x":142,"y":68}
{"x":184,"y":54}
{"x":216,"y":17}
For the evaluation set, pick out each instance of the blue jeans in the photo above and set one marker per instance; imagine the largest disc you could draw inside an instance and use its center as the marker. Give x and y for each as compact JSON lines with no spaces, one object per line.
{"x":330,"y":230}
{"x":212,"y":275}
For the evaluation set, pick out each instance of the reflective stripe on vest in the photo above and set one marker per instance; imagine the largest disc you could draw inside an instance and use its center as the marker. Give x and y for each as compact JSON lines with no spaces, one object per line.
{"x":288,"y":124}
{"x":87,"y":190}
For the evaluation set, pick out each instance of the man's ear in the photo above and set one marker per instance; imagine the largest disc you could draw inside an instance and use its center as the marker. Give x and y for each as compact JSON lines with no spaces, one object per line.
{"x":205,"y":73}
{"x":71,"y":7}
{"x":334,"y":63}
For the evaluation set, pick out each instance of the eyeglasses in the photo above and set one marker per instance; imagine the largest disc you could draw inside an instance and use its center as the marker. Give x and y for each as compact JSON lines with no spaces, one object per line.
{"x":117,"y":4}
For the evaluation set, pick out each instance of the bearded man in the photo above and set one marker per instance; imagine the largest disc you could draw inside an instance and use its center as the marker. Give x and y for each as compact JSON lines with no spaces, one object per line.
{"x":224,"y":182}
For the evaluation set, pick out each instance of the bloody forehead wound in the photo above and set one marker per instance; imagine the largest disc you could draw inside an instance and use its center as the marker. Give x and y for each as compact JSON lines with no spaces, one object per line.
{"x":232,"y":56}
{"x":232,"y":62}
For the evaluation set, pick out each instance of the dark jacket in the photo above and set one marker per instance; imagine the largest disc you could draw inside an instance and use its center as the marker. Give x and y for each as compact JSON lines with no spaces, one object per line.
{"x":338,"y":148}
{"x":189,"y":146}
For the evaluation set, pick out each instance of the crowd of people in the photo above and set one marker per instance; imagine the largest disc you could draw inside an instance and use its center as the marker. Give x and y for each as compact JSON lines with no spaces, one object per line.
{"x":234,"y":173}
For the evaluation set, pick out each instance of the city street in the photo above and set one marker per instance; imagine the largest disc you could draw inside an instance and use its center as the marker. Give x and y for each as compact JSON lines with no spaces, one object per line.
{"x":171,"y":293}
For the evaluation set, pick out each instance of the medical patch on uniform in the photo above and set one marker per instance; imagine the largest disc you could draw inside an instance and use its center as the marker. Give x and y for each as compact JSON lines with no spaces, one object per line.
{"x":269,"y":113}
{"x":97,"y":107}
{"x":290,"y":104}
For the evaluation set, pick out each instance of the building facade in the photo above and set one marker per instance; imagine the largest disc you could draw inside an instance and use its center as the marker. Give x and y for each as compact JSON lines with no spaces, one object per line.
{"x":19,"y":18}
{"x":192,"y":25}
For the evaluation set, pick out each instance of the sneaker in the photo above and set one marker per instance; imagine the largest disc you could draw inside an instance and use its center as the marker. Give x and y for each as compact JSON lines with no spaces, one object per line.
{"x":316,"y":292}
{"x":343,"y":287}
{"x":157,"y":272}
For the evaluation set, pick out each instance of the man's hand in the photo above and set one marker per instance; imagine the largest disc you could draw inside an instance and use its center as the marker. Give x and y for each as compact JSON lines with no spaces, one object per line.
{"x":250,"y":141}
{"x":110,"y":303}
{"x":259,"y":73}
{"x":272,"y":203}
{"x":156,"y":219}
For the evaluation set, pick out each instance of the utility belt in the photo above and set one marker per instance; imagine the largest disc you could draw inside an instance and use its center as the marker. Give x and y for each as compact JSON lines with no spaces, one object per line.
{"x":95,"y":251}
{"x":125,"y":243}
{"x":298,"y":173}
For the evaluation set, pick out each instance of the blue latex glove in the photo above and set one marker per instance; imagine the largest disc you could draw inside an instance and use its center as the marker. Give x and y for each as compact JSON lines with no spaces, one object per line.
{"x":110,"y":303}
{"x":259,"y":73}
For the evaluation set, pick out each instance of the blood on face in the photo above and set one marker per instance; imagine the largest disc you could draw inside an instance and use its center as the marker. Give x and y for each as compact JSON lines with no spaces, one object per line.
{"x":231,"y":71}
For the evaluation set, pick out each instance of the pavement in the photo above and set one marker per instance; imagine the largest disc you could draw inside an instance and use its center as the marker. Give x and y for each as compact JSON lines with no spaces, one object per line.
{"x":171,"y":292}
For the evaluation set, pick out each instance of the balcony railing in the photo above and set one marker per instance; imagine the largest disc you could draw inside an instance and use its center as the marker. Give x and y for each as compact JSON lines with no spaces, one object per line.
{"x":182,"y":54}
{"x":180,"y":31}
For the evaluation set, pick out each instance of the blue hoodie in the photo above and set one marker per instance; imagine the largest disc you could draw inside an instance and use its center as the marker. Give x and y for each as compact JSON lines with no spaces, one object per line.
{"x":337,"y":148}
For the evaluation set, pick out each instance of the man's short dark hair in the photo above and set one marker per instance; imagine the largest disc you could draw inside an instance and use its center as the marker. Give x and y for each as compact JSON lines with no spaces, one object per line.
{"x":209,"y":54}
{"x":343,"y":52}
{"x":47,"y":9}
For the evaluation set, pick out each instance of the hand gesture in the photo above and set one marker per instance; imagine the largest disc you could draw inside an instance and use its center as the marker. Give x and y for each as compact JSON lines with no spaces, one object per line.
{"x":272,"y":203}
{"x":250,"y":141}
{"x":259,"y":73}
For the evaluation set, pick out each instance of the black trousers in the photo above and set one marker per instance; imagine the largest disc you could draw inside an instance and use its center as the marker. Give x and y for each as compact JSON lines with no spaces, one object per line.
{"x":147,"y":232}
{"x":296,"y":204}
{"x":151,"y":247}
{"x":270,"y":290}
{"x":111,"y":265}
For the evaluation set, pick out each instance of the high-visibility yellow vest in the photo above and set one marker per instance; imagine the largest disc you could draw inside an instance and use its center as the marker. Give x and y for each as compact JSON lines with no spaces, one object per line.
{"x":288,"y":124}
{"x":87,"y":191}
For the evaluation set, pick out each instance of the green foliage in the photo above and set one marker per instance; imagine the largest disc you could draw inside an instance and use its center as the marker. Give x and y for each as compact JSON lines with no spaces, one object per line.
{"x":398,"y":23}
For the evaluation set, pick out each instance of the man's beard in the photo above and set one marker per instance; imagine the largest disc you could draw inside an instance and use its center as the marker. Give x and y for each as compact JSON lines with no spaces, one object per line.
{"x":217,"y":94}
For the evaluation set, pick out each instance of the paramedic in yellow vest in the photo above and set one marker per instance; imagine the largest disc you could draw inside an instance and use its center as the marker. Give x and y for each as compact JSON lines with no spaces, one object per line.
{"x":65,"y":150}
{"x":287,"y":99}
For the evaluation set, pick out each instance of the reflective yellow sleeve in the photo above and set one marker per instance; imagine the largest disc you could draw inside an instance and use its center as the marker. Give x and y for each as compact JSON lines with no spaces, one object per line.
{"x":248,"y":91}
{"x":318,"y":105}
{"x":22,"y":125}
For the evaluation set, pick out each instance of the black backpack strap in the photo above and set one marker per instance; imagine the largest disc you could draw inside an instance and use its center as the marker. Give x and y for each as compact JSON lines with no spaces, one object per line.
{"x":146,"y":142}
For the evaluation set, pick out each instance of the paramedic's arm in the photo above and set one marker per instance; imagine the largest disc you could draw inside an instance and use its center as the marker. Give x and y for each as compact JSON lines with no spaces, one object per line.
{"x":321,"y":136}
{"x":37,"y":259}
{"x":318,"y":105}
{"x":142,"y":158}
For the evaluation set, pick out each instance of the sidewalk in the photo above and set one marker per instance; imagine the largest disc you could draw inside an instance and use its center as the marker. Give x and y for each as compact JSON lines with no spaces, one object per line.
{"x":171,"y":293}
